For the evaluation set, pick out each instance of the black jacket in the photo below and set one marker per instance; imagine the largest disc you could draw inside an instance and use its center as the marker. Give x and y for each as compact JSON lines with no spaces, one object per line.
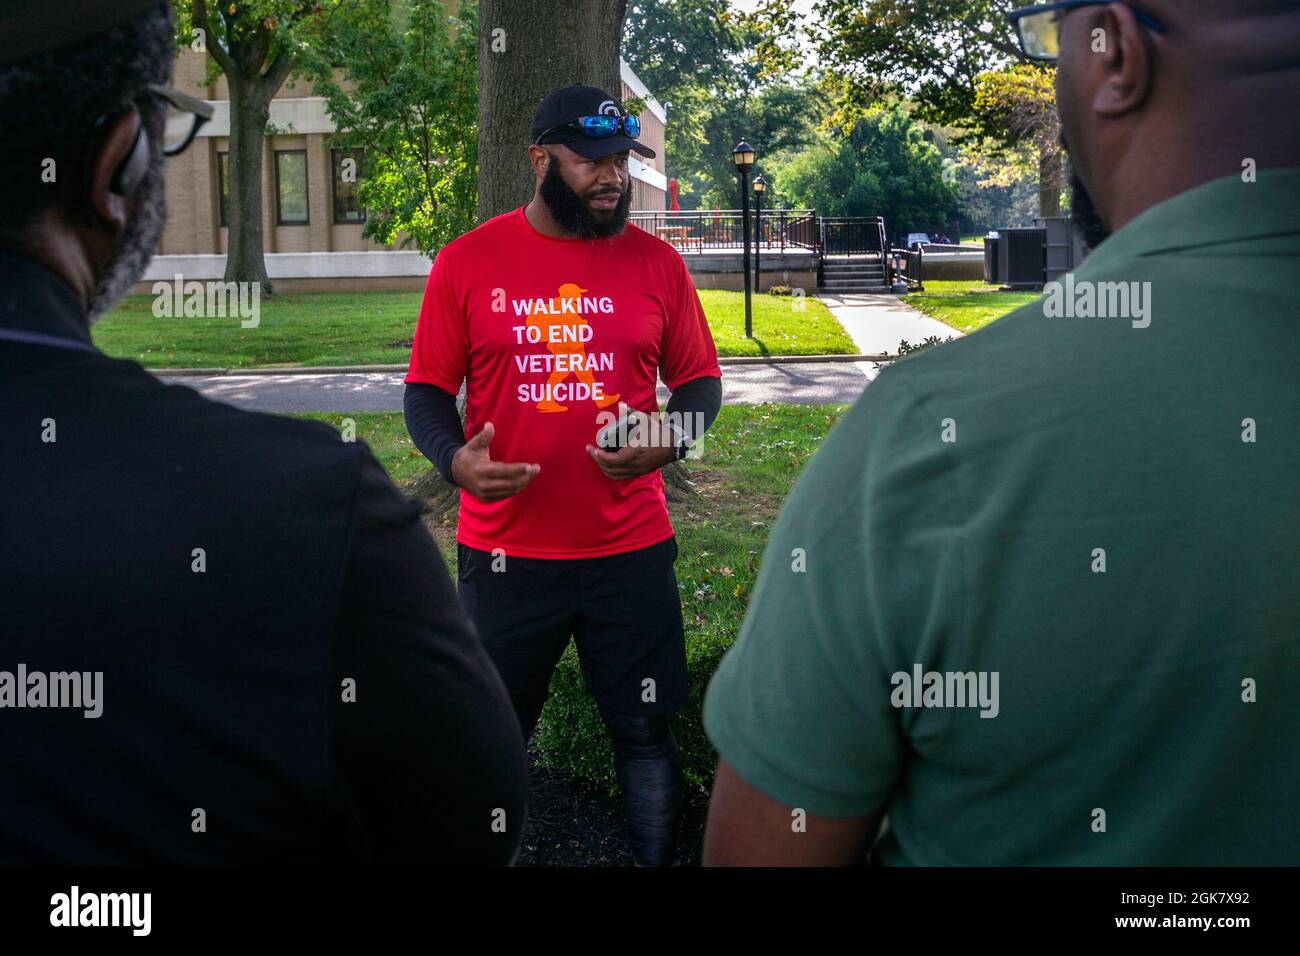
{"x":223,"y":688}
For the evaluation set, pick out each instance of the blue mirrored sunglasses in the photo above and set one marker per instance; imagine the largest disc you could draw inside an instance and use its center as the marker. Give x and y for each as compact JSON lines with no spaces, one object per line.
{"x":597,"y":127}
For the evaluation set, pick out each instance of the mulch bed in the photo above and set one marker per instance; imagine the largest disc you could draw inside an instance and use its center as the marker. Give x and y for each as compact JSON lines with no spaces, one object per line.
{"x":571,"y":823}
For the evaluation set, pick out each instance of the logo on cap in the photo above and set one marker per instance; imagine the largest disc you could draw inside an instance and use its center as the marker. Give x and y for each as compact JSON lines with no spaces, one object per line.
{"x":608,"y":108}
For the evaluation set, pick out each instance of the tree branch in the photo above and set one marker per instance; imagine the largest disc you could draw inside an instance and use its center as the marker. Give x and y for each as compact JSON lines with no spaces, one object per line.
{"x":279,"y":69}
{"x":199,"y":14}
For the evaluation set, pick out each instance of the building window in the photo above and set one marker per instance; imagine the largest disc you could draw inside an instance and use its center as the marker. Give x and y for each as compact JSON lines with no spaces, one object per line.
{"x":347,"y":172}
{"x":291,"y":186}
{"x":223,"y":188}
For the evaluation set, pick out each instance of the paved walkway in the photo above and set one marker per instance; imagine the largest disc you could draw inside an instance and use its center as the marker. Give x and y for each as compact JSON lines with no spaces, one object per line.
{"x":876,"y":323}
{"x":806,"y":383}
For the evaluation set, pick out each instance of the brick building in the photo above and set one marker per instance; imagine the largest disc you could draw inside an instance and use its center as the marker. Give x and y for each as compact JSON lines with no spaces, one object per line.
{"x":310,"y":207}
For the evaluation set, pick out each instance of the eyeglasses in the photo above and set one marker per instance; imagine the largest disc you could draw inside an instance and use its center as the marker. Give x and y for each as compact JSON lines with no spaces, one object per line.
{"x":185,"y":114}
{"x":1039,"y":27}
{"x":597,"y":127}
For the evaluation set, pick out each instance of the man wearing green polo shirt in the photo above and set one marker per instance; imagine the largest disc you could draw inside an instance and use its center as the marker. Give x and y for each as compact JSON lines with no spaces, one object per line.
{"x":1035,"y":601}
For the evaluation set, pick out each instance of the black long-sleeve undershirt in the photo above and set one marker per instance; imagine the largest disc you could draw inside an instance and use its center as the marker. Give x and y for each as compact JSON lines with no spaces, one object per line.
{"x":435,"y":427}
{"x":434,"y":424}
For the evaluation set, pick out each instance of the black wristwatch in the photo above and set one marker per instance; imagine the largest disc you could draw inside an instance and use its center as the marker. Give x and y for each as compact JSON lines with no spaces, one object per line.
{"x":683,"y":446}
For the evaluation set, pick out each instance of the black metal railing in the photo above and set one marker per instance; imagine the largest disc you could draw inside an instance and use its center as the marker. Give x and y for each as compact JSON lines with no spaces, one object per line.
{"x":697,"y":230}
{"x":850,"y":237}
{"x":780,"y":230}
{"x":905,"y":265}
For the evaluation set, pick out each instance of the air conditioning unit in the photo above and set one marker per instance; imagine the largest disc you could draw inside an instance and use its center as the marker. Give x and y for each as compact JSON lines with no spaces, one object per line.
{"x":1022,"y":258}
{"x":991,"y":259}
{"x":1065,"y":251}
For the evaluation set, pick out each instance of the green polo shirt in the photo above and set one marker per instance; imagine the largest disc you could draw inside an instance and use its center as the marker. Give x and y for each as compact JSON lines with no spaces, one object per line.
{"x":1102,"y":514}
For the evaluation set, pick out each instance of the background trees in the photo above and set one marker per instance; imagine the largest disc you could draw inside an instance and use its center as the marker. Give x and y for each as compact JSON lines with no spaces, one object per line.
{"x":714,"y":66}
{"x":256,"y":45}
{"x":884,"y":167}
{"x":407,"y":93}
{"x":958,"y":61}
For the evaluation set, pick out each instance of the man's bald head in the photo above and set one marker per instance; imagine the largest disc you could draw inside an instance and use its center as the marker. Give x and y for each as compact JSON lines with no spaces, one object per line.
{"x":1147,"y":115}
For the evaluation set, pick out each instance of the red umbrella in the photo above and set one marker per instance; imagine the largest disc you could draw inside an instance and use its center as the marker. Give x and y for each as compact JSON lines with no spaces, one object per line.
{"x":672,"y":196}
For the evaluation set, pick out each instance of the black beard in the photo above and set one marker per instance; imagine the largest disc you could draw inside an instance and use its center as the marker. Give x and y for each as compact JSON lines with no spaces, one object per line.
{"x":573,"y":212}
{"x":1085,"y":214}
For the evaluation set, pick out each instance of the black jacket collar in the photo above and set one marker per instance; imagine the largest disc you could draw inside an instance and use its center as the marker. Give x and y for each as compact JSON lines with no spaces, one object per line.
{"x":36,"y":301}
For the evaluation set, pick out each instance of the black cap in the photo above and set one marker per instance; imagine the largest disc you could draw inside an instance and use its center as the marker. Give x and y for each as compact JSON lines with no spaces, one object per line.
{"x":566,"y":105}
{"x":31,"y":27}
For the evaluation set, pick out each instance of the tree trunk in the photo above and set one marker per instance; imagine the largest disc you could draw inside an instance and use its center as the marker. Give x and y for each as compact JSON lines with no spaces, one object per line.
{"x":249,"y":112}
{"x":524,"y":53}
{"x":1049,"y":183}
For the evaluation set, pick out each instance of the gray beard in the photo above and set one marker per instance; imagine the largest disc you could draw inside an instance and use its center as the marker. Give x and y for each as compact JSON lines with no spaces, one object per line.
{"x":139,"y":240}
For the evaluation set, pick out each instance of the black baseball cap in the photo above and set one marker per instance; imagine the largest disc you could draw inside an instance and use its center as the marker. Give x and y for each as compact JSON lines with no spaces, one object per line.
{"x":30,"y":27}
{"x":566,"y":105}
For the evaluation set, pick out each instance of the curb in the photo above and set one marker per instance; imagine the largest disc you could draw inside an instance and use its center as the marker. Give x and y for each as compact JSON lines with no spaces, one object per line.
{"x":364,"y":369}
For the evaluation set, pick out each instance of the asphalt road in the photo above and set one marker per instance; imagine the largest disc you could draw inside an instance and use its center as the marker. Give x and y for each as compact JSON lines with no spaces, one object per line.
{"x":805,"y":383}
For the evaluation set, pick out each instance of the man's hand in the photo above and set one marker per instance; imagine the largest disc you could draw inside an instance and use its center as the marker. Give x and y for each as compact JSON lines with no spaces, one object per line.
{"x":474,"y":470}
{"x":649,"y":447}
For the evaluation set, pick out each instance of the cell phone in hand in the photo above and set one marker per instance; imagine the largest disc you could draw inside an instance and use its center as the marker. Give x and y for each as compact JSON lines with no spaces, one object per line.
{"x":618,"y":434}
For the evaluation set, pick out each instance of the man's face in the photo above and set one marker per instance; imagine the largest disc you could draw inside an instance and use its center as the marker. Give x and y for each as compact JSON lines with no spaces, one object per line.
{"x":588,"y":197}
{"x":1077,"y":135}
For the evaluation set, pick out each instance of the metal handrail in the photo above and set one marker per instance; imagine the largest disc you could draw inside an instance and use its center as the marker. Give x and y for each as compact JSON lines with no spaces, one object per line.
{"x":698,"y":229}
{"x":912,"y":262}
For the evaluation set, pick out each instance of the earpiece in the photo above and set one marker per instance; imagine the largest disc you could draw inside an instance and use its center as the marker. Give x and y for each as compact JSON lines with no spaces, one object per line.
{"x":128,"y":175}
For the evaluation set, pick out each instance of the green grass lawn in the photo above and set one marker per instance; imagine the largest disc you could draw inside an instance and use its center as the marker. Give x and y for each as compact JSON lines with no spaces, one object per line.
{"x":375,"y":328}
{"x":751,"y":457}
{"x":779,"y":328}
{"x":967,"y":305}
{"x":327,"y":328}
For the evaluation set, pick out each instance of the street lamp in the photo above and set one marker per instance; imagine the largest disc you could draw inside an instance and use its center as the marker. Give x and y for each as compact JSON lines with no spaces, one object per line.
{"x":668,"y":200}
{"x":759,"y":185}
{"x":743,"y":157}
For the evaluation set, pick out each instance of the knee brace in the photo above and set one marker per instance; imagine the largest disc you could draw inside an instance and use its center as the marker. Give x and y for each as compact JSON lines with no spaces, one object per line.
{"x":648,"y":766}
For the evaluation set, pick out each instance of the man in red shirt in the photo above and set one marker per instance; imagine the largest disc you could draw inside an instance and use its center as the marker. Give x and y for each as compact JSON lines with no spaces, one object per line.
{"x":558,"y":316}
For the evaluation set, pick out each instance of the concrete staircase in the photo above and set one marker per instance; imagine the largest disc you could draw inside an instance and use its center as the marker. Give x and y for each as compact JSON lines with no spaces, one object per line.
{"x":857,"y":274}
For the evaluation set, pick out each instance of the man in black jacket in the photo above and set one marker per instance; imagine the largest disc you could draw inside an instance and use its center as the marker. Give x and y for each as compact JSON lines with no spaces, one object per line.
{"x":224,"y":637}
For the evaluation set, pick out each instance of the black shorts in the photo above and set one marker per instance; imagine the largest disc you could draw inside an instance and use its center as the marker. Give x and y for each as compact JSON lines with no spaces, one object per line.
{"x":622,"y":610}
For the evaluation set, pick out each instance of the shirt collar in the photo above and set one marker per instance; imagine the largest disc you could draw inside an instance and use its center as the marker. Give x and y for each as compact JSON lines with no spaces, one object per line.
{"x":35,"y":300}
{"x":1220,"y":211}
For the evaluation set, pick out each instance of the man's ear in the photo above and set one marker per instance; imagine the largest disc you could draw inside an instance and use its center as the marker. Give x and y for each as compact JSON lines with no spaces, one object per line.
{"x":117,"y":149}
{"x":538,"y":158}
{"x":1125,"y":60}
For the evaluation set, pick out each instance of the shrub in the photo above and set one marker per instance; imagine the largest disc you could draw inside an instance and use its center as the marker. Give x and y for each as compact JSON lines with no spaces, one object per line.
{"x":780,"y":290}
{"x":572,"y":736}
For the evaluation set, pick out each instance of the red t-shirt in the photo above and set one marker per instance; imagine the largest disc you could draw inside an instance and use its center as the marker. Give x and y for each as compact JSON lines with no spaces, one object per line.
{"x":548,"y":334}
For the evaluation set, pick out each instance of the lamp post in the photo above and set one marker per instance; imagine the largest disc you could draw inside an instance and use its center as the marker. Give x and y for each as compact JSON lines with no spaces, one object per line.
{"x":759,"y":185}
{"x":743,"y":157}
{"x":668,"y":199}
